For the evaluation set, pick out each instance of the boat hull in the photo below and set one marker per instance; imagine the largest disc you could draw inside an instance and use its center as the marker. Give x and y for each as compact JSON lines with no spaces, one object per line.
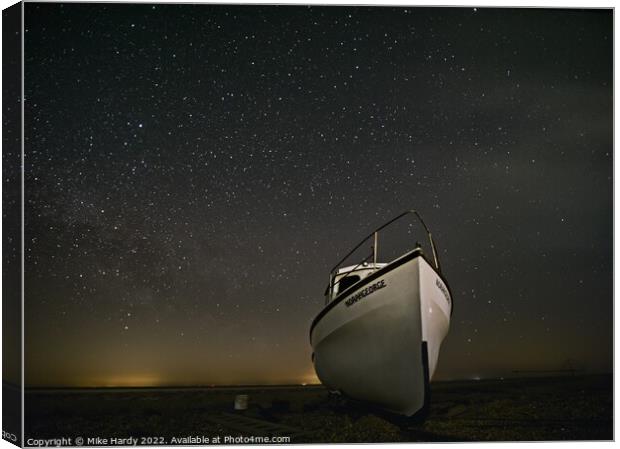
{"x":379,"y":342}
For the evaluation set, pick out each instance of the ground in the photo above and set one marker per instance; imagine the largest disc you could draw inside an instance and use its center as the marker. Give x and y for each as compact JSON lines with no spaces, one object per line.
{"x":533,"y":409}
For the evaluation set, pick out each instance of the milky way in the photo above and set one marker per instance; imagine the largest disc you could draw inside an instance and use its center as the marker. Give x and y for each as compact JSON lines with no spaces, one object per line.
{"x":194,"y":171}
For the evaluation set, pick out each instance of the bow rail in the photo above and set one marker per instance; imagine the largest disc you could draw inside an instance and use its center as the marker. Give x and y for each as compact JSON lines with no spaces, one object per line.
{"x":375,"y":234}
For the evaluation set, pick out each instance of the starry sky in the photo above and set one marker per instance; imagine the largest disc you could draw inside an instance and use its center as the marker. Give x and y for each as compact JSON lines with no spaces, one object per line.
{"x":194,"y":171}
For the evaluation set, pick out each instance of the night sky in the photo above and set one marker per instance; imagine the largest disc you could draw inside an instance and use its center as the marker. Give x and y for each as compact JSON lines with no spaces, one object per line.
{"x":194,"y":171}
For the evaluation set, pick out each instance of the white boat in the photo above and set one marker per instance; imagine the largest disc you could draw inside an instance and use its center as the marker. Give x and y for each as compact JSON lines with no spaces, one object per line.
{"x":378,"y":337}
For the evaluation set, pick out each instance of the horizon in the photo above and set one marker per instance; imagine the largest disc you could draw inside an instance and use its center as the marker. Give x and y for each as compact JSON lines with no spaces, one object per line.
{"x":516,"y":375}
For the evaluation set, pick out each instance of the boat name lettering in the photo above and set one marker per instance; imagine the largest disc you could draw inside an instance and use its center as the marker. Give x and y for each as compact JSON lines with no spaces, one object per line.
{"x":367,"y":291}
{"x":443,"y":290}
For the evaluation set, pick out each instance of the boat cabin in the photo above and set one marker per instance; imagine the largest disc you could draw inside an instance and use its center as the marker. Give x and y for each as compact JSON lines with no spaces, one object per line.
{"x":345,"y":277}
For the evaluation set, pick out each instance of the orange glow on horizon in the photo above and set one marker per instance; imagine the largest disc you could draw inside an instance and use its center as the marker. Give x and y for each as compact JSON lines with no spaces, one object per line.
{"x":124,"y":381}
{"x":150,"y":380}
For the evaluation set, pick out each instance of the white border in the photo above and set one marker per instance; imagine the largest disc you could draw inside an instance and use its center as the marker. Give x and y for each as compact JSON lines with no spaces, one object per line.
{"x":457,"y":3}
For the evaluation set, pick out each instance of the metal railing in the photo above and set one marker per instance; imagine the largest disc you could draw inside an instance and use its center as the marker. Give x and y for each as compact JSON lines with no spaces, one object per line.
{"x":375,"y":234}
